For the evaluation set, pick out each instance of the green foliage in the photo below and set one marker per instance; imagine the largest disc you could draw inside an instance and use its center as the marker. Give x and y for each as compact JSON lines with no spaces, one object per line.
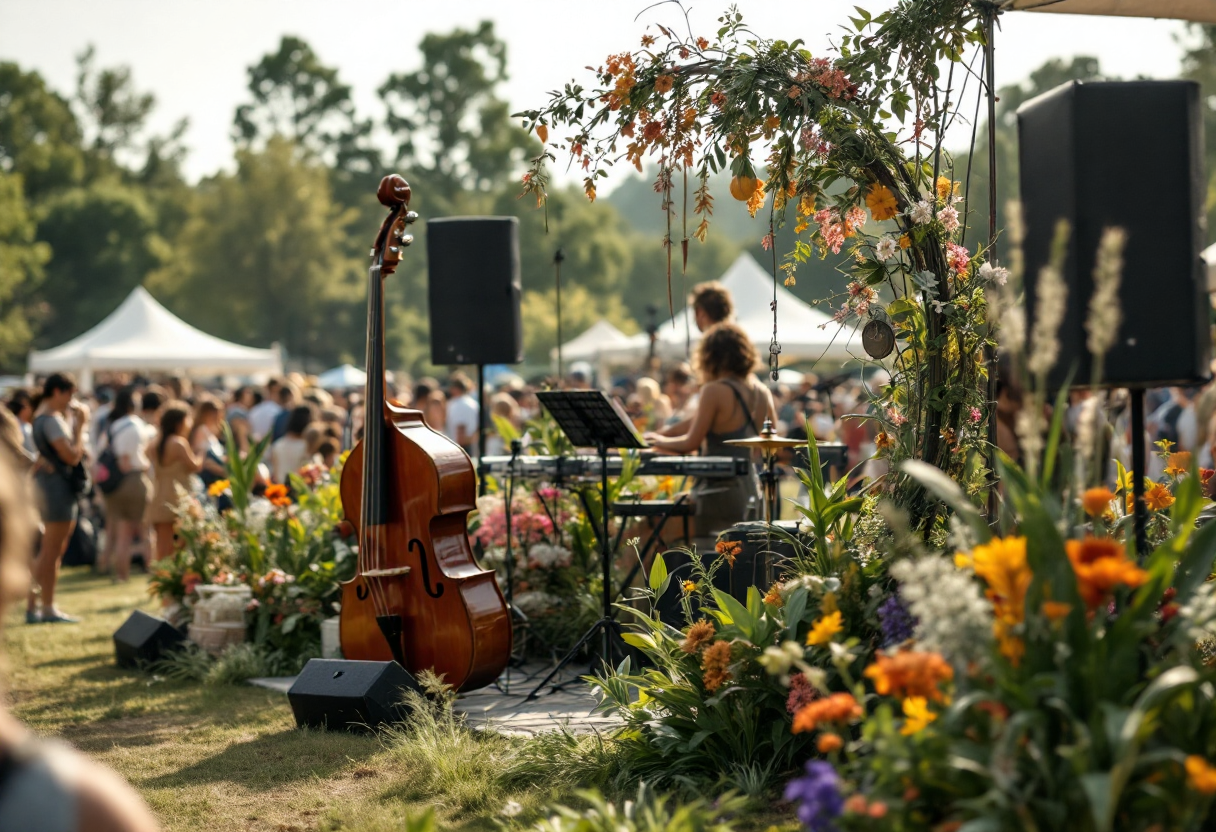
{"x":261,"y":257}
{"x":105,"y":241}
{"x":22,"y":261}
{"x":39,"y":137}
{"x":648,"y":812}
{"x":449,"y":123}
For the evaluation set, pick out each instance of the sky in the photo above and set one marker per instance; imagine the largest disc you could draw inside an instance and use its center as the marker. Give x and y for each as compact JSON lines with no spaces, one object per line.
{"x":193,"y":54}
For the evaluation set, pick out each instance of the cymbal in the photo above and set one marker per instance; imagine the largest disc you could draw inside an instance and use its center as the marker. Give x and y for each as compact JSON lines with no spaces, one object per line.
{"x":767,"y":443}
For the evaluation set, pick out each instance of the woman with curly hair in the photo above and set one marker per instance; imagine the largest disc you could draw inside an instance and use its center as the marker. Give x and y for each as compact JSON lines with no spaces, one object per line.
{"x":733,"y":405}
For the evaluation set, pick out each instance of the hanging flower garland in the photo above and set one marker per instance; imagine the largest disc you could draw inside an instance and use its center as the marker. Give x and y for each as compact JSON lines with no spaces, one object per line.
{"x":697,"y":106}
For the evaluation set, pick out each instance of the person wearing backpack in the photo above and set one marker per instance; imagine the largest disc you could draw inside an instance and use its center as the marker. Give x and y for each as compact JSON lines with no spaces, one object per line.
{"x":122,"y":476}
{"x":60,"y":479}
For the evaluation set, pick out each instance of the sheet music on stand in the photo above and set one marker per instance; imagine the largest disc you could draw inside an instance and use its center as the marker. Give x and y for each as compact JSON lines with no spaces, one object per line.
{"x":590,"y":419}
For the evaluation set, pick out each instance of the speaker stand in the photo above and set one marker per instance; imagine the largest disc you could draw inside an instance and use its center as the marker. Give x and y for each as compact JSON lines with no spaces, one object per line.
{"x":1139,"y":471}
{"x":481,"y":428}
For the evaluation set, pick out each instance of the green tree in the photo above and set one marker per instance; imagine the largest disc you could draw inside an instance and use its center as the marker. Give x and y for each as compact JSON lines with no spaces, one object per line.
{"x":448,"y":123}
{"x":1050,"y":75}
{"x":104,"y":241}
{"x":39,"y":135}
{"x":115,"y":112}
{"x":261,"y":258}
{"x":1199,"y":64}
{"x":21,"y":270}
{"x":298,"y":97}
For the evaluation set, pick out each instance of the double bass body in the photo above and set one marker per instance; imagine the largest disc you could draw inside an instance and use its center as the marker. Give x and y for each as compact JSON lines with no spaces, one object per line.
{"x":419,"y":596}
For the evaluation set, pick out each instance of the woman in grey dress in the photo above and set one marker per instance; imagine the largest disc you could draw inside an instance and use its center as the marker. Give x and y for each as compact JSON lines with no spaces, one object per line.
{"x":58,"y":433}
{"x":733,"y":404}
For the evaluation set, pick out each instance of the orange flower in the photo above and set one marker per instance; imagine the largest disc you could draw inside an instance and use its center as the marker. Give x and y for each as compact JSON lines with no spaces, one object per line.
{"x":904,"y":241}
{"x":663,"y":83}
{"x":883,"y":441}
{"x":839,"y":708}
{"x":773,"y":596}
{"x":1200,"y":775}
{"x":699,"y":634}
{"x":756,"y":199}
{"x":828,"y":743}
{"x":910,"y":673}
{"x":881,"y":202}
{"x":715,"y":661}
{"x":1055,"y":610}
{"x":277,"y":494}
{"x":1096,"y":501}
{"x":1158,"y":498}
{"x":1178,"y":464}
{"x":729,"y":550}
{"x":1101,"y":564}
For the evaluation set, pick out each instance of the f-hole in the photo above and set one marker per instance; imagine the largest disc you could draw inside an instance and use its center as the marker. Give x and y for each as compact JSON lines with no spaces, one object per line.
{"x":361,"y":592}
{"x":435,"y":591}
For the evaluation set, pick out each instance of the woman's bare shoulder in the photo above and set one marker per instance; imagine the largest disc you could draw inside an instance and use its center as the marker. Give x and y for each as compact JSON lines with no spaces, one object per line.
{"x":105,"y":802}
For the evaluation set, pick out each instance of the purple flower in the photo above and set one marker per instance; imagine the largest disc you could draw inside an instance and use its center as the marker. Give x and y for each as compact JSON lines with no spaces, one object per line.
{"x":817,"y":794}
{"x":897,"y":623}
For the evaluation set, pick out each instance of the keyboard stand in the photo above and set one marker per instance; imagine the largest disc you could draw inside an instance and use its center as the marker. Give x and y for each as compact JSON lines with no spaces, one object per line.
{"x":680,"y":507}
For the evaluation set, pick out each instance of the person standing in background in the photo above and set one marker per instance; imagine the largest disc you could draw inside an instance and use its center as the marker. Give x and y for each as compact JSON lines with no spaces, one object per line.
{"x":59,"y":435}
{"x":463,"y":412}
{"x":173,"y":463}
{"x":263,"y":414}
{"x":127,"y":436}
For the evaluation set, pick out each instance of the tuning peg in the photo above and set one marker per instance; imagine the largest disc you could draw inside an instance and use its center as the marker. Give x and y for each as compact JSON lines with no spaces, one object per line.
{"x":411,"y":216}
{"x":406,"y":239}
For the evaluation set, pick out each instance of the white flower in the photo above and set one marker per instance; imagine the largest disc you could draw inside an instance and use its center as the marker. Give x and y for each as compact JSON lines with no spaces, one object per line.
{"x":777,"y":660}
{"x":544,"y":556}
{"x":994,"y":274}
{"x":938,"y":306}
{"x":886,"y":248}
{"x":926,"y":281}
{"x":511,"y":808}
{"x":949,"y":218}
{"x":805,"y":527}
{"x":535,"y":603}
{"x":922,"y":212}
{"x":953,"y":618}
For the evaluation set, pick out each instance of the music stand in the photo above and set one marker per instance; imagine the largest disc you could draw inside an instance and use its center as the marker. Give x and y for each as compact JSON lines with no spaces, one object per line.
{"x":590,"y":419}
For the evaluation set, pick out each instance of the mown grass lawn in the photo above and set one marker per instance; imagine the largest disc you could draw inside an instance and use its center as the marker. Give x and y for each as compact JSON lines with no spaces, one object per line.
{"x":214,"y":758}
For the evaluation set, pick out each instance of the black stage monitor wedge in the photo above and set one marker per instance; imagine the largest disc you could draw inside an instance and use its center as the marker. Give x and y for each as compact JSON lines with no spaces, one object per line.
{"x":1128,"y":155}
{"x":143,"y":638}
{"x":340,"y":695}
{"x":473,"y":290}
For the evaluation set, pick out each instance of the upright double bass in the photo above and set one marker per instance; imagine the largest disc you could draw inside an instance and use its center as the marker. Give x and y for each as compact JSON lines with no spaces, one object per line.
{"x":418,"y":596}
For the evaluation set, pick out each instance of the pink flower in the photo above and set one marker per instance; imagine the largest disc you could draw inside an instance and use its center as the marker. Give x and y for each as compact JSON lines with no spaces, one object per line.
{"x":957,"y":257}
{"x":767,"y":242}
{"x":976,"y":415}
{"x":802,"y":693}
{"x":949,"y":218}
{"x":854,"y":219}
{"x":831,"y":228}
{"x":813,"y":142}
{"x":253,"y":605}
{"x":895,"y":417}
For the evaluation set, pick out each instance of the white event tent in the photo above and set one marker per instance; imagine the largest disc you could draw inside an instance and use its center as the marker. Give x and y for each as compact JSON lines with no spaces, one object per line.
{"x":143,"y":336}
{"x":343,"y":377}
{"x":805,"y":333}
{"x":1200,"y":11}
{"x":596,"y":339}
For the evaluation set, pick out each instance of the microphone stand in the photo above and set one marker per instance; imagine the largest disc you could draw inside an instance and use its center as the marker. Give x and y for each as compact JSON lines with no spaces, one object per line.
{"x":519,"y":620}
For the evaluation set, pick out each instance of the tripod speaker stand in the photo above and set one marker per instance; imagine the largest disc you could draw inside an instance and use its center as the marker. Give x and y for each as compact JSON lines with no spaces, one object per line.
{"x":590,"y":419}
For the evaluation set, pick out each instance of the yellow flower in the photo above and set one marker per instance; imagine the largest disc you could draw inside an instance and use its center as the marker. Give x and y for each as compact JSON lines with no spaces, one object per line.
{"x":1124,"y":481}
{"x":1164,"y":445}
{"x":823,"y":630}
{"x":218,"y":487}
{"x":946,"y":188}
{"x":689,"y":586}
{"x":917,"y":715}
{"x":1158,"y":497}
{"x":881,"y":202}
{"x":904,"y":241}
{"x":1200,"y":776}
{"x":1002,"y":564}
{"x":1178,"y":464}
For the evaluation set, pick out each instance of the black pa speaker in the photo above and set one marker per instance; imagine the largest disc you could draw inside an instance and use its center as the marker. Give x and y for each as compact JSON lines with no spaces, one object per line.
{"x":473,"y":290}
{"x":340,"y":695}
{"x":142,"y":639}
{"x":1128,"y":155}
